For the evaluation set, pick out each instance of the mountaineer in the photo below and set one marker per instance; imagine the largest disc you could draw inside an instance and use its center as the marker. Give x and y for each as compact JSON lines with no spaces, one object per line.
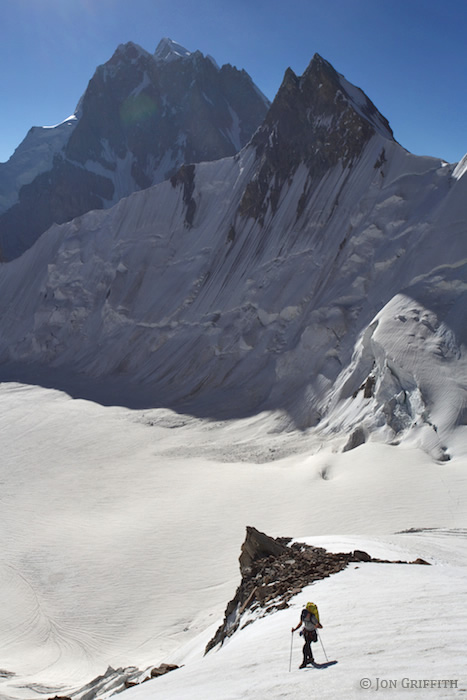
{"x":310,"y":619}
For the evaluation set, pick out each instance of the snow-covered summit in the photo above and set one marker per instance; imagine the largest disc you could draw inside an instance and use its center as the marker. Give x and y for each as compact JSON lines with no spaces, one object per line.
{"x":169,"y":50}
{"x":141,"y":117}
{"x":34,"y":155}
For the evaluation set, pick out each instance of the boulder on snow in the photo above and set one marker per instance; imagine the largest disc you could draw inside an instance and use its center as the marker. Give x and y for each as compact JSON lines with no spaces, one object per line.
{"x":256,"y":546}
{"x":357,"y":438}
{"x":358,"y":555}
{"x":163,"y":669}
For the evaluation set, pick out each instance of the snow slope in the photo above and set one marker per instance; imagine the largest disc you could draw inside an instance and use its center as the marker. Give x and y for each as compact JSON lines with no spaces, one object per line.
{"x":391,"y":627}
{"x":229,"y":315}
{"x":124,"y":530}
{"x":275,"y":339}
{"x":33,"y":156}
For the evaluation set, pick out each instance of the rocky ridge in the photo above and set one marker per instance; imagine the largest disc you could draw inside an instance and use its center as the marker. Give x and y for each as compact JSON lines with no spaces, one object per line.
{"x":115,"y":681}
{"x":254,"y":283}
{"x":274,"y":571}
{"x":318,"y":119}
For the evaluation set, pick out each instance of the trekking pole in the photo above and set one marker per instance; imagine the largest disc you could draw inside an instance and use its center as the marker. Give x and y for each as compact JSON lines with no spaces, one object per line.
{"x":290,"y":660}
{"x":319,"y":637}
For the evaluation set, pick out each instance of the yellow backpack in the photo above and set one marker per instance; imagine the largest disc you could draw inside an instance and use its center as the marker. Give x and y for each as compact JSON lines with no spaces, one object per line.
{"x":311,"y":607}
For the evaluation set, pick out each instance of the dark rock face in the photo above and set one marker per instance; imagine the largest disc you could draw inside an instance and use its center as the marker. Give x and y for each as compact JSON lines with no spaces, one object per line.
{"x":53,"y":197}
{"x":257,"y":545}
{"x":274,"y":571}
{"x":186,"y":178}
{"x":318,"y":119}
{"x":135,"y":103}
{"x":139,"y":120}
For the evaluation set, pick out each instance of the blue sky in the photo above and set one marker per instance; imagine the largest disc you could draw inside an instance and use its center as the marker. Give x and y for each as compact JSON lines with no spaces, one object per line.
{"x":409,"y":56}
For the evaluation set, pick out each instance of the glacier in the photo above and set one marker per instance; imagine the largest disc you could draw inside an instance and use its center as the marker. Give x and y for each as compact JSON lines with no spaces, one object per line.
{"x":222,"y":293}
{"x":274,"y":338}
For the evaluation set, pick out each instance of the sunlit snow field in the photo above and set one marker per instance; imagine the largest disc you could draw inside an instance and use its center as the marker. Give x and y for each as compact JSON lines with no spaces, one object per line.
{"x":122,"y":530}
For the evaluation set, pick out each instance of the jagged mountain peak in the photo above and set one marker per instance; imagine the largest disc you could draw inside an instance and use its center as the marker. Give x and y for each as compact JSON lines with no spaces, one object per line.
{"x":319,"y":119}
{"x":273,"y":272}
{"x":140,"y":118}
{"x":127,"y":52}
{"x":321,"y":74}
{"x":323,"y":100}
{"x":169,"y":50}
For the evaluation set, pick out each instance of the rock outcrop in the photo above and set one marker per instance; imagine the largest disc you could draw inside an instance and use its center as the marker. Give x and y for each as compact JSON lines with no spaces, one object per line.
{"x":116,"y":680}
{"x":274,"y":571}
{"x":318,"y":119}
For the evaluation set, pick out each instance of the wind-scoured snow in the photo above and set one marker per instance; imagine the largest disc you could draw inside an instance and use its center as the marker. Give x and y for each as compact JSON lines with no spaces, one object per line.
{"x":365,"y":107}
{"x":229,"y":314}
{"x":460,"y":169}
{"x":35,"y":155}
